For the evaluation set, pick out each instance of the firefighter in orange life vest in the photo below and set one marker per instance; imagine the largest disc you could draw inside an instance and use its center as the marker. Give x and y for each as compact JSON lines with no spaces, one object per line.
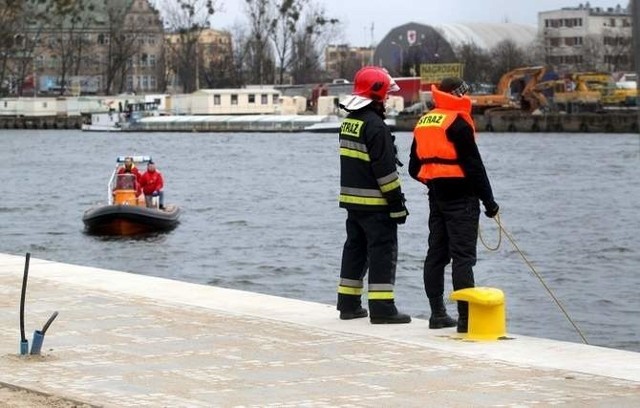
{"x":370,"y":192}
{"x":445,"y":157}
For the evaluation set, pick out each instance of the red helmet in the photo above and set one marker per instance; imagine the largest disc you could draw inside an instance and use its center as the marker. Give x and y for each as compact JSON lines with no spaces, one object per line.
{"x":372,"y":82}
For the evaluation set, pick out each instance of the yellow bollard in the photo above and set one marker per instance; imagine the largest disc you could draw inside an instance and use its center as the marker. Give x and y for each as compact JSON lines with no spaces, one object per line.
{"x":486,"y":312}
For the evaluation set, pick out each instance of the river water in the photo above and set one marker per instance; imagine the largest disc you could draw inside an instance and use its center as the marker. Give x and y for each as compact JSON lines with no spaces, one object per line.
{"x":260,"y":214}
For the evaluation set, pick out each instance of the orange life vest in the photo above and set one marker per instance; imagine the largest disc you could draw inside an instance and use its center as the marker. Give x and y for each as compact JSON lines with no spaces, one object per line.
{"x":436,"y":153}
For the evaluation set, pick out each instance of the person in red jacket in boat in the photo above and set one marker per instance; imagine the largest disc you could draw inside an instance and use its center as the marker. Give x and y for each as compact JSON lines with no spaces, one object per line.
{"x":129,"y":168}
{"x":152,"y":182}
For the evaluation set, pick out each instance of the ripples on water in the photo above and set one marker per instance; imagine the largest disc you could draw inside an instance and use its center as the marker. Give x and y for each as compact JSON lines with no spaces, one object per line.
{"x":260,"y":214}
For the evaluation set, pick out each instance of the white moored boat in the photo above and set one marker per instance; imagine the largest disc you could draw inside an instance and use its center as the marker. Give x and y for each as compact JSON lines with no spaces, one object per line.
{"x":115,"y":121}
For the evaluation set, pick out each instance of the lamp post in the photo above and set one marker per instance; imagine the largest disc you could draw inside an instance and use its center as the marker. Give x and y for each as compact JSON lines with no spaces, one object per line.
{"x":401,"y":56}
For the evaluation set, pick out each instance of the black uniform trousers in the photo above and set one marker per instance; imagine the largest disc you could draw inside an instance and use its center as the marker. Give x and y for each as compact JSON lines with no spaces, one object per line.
{"x":453,"y":236}
{"x":371,"y":244}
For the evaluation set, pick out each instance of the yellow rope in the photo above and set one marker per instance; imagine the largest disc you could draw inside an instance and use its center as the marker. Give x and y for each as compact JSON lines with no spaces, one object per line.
{"x":501,"y":230}
{"x":497,"y":218}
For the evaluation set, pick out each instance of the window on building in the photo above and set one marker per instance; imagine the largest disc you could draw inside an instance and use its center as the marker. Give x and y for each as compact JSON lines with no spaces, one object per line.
{"x":145,"y":82}
{"x":143,"y":60}
{"x":216,"y":99}
{"x":264,"y":99}
{"x":152,"y":60}
{"x":252,"y":98}
{"x":612,"y":22}
{"x":275,"y":99}
{"x":101,"y":39}
{"x":44,"y":104}
{"x":153,"y":84}
{"x":129,"y":82}
{"x":234,"y":99}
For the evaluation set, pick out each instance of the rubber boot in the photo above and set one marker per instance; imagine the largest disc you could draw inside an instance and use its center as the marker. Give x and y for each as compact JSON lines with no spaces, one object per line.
{"x":353,"y":314}
{"x":463,"y":317}
{"x":385,"y":312}
{"x":350,"y":307}
{"x":398,"y":318}
{"x":439,"y":318}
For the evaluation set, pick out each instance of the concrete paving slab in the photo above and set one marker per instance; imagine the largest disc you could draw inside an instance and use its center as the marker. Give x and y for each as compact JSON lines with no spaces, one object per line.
{"x":126,"y":340}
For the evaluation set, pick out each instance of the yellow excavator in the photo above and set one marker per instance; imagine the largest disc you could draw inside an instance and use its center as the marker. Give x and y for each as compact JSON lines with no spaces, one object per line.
{"x":588,"y":91}
{"x":622,"y":93}
{"x":527,"y":99}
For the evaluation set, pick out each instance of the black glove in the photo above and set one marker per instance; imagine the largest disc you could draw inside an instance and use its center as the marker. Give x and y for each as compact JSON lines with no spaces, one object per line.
{"x":491,"y":209}
{"x":398,"y":211}
{"x":395,"y":151}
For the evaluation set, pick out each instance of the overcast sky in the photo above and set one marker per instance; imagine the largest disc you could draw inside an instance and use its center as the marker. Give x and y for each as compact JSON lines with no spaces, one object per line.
{"x":358,"y":15}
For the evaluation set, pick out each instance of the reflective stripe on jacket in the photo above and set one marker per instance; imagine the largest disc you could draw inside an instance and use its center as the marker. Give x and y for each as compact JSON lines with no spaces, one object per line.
{"x":369,"y":179}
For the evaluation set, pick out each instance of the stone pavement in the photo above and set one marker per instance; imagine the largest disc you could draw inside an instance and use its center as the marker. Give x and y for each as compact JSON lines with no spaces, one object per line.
{"x":125,"y":340}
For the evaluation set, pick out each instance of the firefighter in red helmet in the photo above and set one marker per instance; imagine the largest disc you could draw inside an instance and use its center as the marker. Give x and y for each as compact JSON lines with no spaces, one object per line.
{"x":370,"y":191}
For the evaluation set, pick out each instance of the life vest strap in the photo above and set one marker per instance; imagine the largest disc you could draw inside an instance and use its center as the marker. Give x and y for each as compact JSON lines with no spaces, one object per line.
{"x":438,"y":160}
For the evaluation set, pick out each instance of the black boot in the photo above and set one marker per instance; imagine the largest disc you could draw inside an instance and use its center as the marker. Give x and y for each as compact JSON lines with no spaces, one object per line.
{"x":397,"y":318}
{"x":463,"y":317}
{"x":350,"y":307}
{"x":353,"y":314}
{"x":439,"y":318}
{"x":385,"y":312}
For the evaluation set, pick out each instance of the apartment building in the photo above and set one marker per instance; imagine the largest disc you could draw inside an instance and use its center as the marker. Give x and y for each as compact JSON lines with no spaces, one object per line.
{"x":92,"y":47}
{"x":343,"y":60}
{"x":209,"y":63}
{"x":587,"y":38}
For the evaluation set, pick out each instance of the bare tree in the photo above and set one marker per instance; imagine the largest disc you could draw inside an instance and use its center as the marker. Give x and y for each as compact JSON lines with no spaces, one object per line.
{"x":220,"y":69}
{"x":535,"y":54}
{"x":259,"y":52}
{"x":121,"y":40}
{"x":187,"y":19}
{"x":477,"y":63}
{"x":21,"y":26}
{"x":506,"y":55}
{"x":67,"y":23}
{"x":306,"y":66}
{"x":239,"y":55}
{"x":282,"y":28}
{"x":347,"y":65}
{"x":592,"y":54}
{"x":10,"y":30}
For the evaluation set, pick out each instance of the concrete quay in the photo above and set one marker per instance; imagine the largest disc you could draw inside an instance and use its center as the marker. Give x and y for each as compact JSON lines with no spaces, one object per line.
{"x":127,"y":340}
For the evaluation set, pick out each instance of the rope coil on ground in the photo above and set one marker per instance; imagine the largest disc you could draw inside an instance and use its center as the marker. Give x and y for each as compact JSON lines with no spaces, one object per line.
{"x":502,"y":230}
